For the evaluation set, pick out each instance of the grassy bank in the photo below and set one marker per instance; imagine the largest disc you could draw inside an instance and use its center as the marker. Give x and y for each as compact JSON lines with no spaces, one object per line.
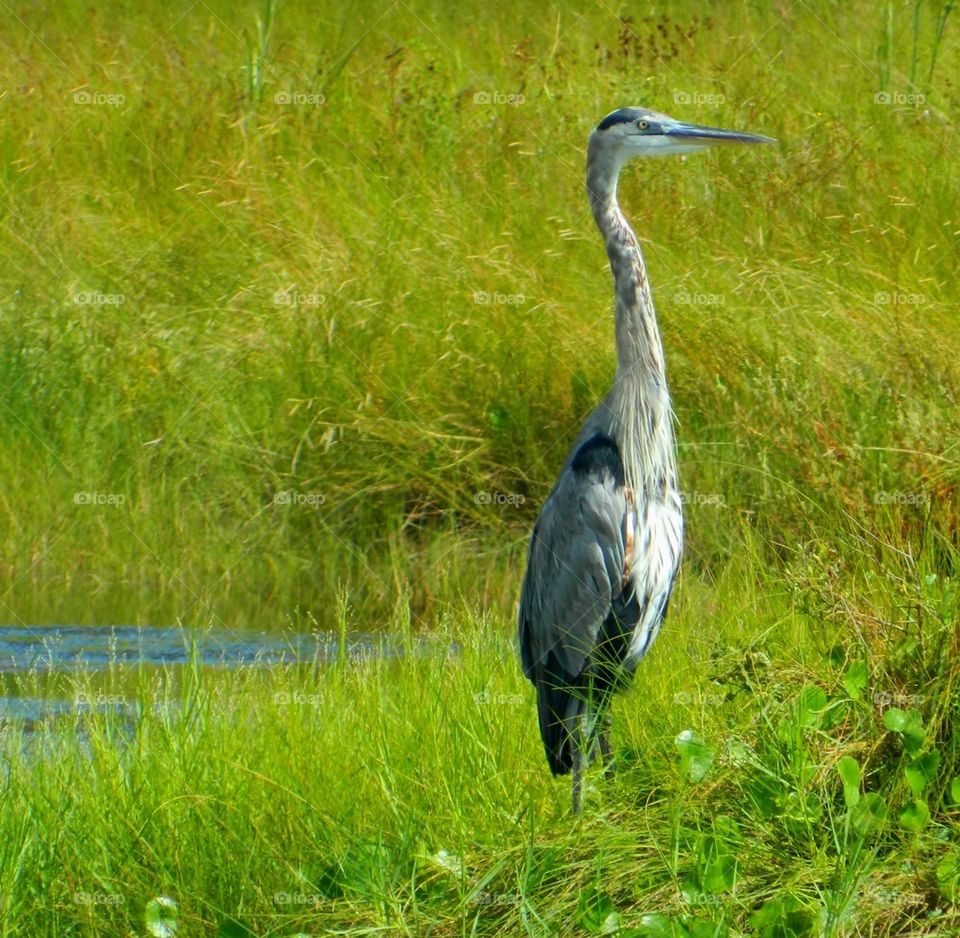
{"x":778,"y":775}
{"x":300,"y":302}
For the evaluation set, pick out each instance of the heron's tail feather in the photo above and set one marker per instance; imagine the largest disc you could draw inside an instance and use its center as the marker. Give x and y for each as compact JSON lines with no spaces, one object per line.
{"x":559,"y":709}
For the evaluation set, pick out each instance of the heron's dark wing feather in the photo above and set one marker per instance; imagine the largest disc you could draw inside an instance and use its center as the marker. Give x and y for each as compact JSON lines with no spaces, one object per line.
{"x":576,"y":562}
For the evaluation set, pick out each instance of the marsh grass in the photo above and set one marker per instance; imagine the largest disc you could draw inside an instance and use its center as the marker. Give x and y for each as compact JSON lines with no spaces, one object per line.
{"x":409,"y":795}
{"x":299,"y":331}
{"x":303,"y":256}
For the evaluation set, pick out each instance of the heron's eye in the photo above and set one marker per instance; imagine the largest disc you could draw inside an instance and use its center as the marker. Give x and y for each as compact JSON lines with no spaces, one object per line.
{"x":643,"y":125}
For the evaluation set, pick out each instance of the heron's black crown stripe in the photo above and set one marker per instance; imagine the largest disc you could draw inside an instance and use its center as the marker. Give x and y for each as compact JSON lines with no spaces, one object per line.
{"x":624,"y":116}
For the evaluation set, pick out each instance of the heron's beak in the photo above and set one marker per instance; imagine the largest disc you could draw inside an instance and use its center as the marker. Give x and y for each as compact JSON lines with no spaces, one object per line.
{"x":710,"y":136}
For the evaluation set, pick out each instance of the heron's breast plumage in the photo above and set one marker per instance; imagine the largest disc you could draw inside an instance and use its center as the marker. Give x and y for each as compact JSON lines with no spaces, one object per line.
{"x":653,"y":562}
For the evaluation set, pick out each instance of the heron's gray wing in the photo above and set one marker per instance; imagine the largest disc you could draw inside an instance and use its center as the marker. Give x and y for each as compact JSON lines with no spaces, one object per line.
{"x":576,"y":562}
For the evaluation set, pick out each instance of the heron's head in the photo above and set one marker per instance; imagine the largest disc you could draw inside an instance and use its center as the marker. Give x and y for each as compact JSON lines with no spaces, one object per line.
{"x":635,"y":131}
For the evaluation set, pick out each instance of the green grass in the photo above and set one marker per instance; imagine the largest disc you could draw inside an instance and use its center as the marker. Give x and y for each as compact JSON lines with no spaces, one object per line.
{"x":256,"y":249}
{"x":389,"y":392}
{"x":411,"y":797}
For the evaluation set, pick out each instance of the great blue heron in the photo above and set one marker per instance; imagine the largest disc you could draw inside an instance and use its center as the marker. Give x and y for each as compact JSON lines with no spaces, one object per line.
{"x":606,"y":547}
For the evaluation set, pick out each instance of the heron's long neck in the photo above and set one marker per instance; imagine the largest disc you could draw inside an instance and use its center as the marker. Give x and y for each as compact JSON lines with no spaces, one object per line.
{"x":639,"y":401}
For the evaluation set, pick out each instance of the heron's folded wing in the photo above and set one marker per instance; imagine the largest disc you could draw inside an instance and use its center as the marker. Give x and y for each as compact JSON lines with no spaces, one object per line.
{"x":574,"y":570}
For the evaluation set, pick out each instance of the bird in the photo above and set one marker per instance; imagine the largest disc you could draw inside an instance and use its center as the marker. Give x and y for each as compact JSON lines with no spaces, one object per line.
{"x":606,"y":547}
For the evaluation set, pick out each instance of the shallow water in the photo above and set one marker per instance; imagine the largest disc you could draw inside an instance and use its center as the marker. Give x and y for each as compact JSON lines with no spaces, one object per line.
{"x":92,"y":648}
{"x":65,"y":650}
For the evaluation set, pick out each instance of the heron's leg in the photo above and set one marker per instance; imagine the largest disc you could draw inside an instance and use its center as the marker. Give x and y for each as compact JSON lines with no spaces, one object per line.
{"x":606,"y":753}
{"x":577,"y":743}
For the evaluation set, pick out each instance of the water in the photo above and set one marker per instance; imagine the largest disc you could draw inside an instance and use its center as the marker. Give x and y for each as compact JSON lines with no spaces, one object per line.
{"x":65,"y":650}
{"x":94,"y":648}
